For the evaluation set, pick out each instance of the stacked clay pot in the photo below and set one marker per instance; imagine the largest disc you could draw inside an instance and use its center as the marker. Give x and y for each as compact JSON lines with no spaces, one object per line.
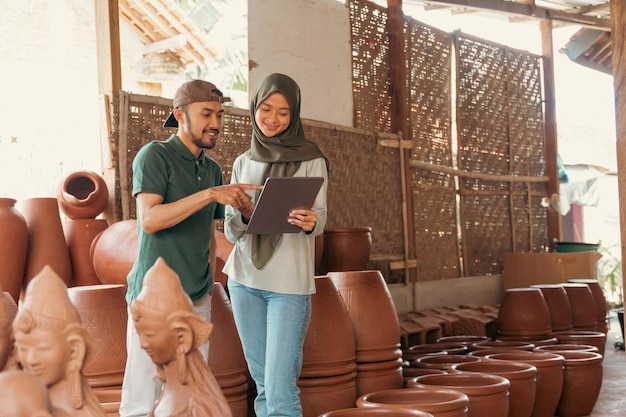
{"x":444,"y":362}
{"x":521,"y":376}
{"x":226,"y":359}
{"x":376,"y":327}
{"x":346,"y":249}
{"x":524,"y":313}
{"x":440,"y":402}
{"x":328,"y":378}
{"x":600,"y":299}
{"x":376,"y":412}
{"x":558,"y":305}
{"x":549,"y":381}
{"x":488,"y":394}
{"x":584,"y":312}
{"x":13,"y":247}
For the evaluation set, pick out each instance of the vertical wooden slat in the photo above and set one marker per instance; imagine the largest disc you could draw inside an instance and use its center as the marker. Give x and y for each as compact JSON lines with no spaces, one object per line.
{"x":399,"y":105}
{"x":618,"y":31}
{"x":552,"y":171}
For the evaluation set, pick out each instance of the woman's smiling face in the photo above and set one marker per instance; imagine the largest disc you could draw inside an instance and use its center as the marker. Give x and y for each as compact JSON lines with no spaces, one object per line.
{"x":273,"y":115}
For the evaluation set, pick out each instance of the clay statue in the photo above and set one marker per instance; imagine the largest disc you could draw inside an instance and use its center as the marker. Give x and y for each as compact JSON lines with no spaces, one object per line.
{"x":51,"y":343}
{"x":23,"y":395}
{"x":171,"y":333}
{"x":7,"y":313}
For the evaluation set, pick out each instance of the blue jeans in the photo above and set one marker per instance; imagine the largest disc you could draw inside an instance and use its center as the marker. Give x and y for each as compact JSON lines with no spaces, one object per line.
{"x":272,"y":328}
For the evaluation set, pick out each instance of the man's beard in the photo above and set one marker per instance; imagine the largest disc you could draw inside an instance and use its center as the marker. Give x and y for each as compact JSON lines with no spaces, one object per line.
{"x":199,"y":141}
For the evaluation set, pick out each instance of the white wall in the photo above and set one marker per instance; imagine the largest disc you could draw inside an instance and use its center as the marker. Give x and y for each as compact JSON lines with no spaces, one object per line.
{"x":309,"y":40}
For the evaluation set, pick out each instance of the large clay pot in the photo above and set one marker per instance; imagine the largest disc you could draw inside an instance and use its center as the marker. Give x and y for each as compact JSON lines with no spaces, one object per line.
{"x":323,"y":394}
{"x":83,"y":195}
{"x":373,"y":314}
{"x":347,"y":249}
{"x":464,"y":339}
{"x":440,"y":402}
{"x":502,"y":345}
{"x":13,"y":247}
{"x":79,"y":234}
{"x":523,"y":312}
{"x":561,"y":318}
{"x":226,"y":358}
{"x":411,"y":373}
{"x":581,"y":384}
{"x":445,"y":362}
{"x":549,"y":382}
{"x":584,"y":314}
{"x":114,"y":250}
{"x":46,"y":241}
{"x":600,"y":299}
{"x":567,"y":347}
{"x":597,"y":339}
{"x":378,"y":376}
{"x":376,"y":412}
{"x":520,"y":375}
{"x":103,"y":312}
{"x":488,"y":394}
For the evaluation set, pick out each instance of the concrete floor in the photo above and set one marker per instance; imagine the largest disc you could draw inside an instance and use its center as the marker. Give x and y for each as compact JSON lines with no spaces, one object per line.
{"x":612,"y":399}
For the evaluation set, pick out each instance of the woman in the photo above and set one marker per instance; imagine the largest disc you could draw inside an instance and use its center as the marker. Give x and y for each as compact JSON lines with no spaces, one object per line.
{"x":271,"y":277}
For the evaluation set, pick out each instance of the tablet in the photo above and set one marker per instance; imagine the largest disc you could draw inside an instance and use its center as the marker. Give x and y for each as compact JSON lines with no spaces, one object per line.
{"x":278,"y":197}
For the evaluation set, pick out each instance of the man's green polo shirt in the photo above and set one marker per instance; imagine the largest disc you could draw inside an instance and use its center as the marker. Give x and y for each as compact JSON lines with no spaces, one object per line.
{"x":169,"y":169}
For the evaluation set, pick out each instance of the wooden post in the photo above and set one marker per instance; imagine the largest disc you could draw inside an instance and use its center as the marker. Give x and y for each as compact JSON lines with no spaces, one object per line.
{"x":109,"y":82}
{"x":618,"y":31}
{"x":550,"y":132}
{"x":399,"y":111}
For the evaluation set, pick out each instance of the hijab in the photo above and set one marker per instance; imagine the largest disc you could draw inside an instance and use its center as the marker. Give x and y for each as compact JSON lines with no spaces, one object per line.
{"x":283,"y":153}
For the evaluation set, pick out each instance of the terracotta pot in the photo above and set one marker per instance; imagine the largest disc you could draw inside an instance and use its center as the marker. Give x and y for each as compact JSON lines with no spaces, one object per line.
{"x":409,"y":374}
{"x":581,"y":383}
{"x":320,"y":261}
{"x":226,"y":358}
{"x":549,"y":382}
{"x":520,"y":375}
{"x":535,"y":341}
{"x":46,"y":242}
{"x":452,"y":348}
{"x":13,"y":247}
{"x":347,"y":249}
{"x":409,"y":357}
{"x":103,"y":312}
{"x":561,"y":318}
{"x":440,"y":402}
{"x":365,"y":412}
{"x":324,"y":394}
{"x":488,"y":394}
{"x":114,"y":250}
{"x":378,"y":376}
{"x":523,"y":312}
{"x":596,"y":339}
{"x":79,"y":234}
{"x":83,"y":195}
{"x":373,"y":314}
{"x":465,"y":339}
{"x":445,"y":362}
{"x":502,"y":344}
{"x":601,"y":303}
{"x":329,"y":347}
{"x":584,"y":314}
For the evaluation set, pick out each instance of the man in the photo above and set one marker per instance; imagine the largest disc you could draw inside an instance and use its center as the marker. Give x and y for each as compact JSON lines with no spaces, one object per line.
{"x":179,"y":192}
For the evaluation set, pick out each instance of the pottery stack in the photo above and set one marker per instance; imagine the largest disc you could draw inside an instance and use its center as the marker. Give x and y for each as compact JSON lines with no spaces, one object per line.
{"x":376,"y":327}
{"x":329,"y":369}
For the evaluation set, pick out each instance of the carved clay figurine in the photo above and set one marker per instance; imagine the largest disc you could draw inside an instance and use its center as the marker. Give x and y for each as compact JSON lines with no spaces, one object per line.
{"x":7,"y":313}
{"x":51,"y":343}
{"x":171,"y":333}
{"x":23,"y":395}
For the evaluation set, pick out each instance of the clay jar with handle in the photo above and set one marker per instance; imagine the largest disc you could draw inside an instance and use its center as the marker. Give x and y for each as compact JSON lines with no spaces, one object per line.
{"x":488,"y":394}
{"x":549,"y":382}
{"x":440,"y":402}
{"x":13,"y":247}
{"x":83,"y":195}
{"x":520,"y":375}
